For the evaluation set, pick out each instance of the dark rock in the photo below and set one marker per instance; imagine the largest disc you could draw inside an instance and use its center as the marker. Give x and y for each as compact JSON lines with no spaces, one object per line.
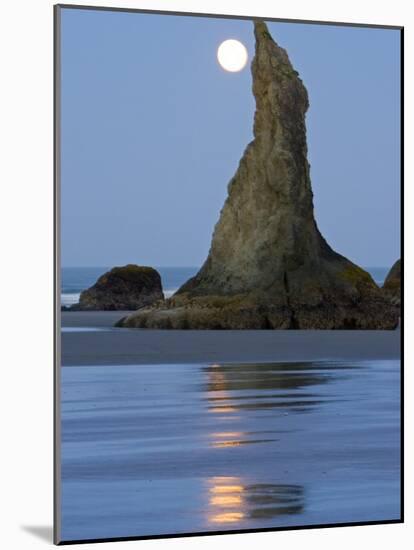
{"x":269,"y":267}
{"x":122,"y":288}
{"x":392,"y":284}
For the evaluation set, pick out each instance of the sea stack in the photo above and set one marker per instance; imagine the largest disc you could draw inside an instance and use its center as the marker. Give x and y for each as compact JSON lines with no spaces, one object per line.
{"x":269,"y":267}
{"x":126,"y":288}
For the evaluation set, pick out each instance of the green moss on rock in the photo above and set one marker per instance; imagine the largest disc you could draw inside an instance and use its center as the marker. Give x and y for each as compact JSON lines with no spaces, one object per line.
{"x":355,"y":274}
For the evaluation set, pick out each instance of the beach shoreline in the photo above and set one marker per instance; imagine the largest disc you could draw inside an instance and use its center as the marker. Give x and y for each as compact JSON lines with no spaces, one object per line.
{"x":89,"y":338}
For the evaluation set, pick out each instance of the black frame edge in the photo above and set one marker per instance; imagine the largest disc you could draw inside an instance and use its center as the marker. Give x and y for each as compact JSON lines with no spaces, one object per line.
{"x":233,"y":532}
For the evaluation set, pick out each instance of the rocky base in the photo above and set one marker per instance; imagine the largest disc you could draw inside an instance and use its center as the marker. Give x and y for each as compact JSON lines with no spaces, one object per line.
{"x":198,"y":316}
{"x":357,"y":304}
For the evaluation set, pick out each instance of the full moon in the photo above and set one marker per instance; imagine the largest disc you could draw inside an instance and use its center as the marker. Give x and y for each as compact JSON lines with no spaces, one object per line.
{"x":232,"y":55}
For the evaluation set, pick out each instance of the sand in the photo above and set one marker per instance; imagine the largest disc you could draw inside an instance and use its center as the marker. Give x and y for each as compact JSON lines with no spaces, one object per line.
{"x":89,"y":338}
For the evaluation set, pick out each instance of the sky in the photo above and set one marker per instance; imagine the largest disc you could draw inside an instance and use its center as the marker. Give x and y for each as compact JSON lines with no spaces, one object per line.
{"x":153,"y":129}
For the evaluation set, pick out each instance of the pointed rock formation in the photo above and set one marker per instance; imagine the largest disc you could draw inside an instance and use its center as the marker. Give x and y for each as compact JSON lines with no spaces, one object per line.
{"x":392,"y":284}
{"x":268,"y":265}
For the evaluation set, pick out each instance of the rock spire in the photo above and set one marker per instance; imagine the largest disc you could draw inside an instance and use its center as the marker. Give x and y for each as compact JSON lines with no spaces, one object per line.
{"x":269,"y":266}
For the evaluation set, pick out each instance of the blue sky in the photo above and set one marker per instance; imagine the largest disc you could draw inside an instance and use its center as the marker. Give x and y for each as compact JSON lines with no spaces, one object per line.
{"x":153,"y":129}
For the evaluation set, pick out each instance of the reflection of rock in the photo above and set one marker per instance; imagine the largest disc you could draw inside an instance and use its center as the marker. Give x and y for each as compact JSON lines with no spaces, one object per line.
{"x":269,"y":267}
{"x":232,"y":501}
{"x":268,"y":500}
{"x":123,"y":288}
{"x":392,"y":284}
{"x":232,"y":388}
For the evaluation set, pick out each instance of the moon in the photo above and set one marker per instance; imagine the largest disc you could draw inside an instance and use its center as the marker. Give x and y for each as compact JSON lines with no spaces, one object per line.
{"x":232,"y":55}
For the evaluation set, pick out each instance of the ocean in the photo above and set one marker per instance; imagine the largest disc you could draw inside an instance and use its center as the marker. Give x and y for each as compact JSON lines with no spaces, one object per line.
{"x":76,"y":279}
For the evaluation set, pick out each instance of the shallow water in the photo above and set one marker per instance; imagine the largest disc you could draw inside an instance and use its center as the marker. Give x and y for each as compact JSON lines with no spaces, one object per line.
{"x":160,"y":449}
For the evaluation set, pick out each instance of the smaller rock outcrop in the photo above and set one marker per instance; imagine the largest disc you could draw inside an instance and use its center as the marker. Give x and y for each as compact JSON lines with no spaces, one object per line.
{"x":392,"y":284}
{"x":122,"y":288}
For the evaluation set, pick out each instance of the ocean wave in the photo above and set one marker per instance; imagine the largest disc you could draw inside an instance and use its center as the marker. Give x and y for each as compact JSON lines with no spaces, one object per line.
{"x":69,"y":298}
